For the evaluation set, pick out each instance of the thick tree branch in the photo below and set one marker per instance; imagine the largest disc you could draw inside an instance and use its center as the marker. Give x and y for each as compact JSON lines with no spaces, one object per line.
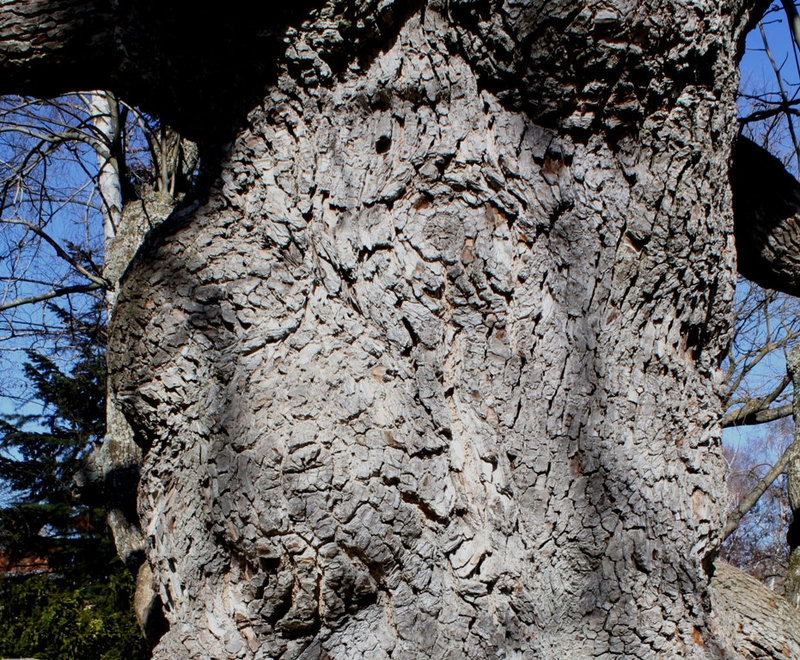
{"x":758,"y":621}
{"x":193,"y":65}
{"x":766,"y":203}
{"x":37,"y":36}
{"x":744,"y":417}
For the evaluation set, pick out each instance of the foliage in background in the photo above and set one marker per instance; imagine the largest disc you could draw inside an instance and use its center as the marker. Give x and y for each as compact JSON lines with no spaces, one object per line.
{"x":41,"y":454}
{"x":51,"y":618}
{"x":79,"y":604}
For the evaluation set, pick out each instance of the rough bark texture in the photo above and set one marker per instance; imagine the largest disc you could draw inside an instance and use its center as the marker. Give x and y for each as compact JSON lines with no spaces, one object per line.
{"x":762,"y":625}
{"x":431,"y":379}
{"x":39,"y":36}
{"x":432,"y":370}
{"x":119,"y":460}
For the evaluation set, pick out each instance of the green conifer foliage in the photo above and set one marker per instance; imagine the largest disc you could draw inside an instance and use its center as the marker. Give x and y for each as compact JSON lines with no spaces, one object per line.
{"x":64,"y":594}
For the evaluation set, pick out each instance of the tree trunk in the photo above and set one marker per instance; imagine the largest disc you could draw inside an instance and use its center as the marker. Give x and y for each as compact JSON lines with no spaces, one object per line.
{"x":105,"y":118}
{"x":424,"y":377}
{"x":792,"y":590}
{"x":432,"y":371}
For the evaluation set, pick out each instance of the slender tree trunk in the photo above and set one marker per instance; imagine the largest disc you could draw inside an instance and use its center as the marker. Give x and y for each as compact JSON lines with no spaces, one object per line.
{"x":105,"y":118}
{"x":793,"y":487}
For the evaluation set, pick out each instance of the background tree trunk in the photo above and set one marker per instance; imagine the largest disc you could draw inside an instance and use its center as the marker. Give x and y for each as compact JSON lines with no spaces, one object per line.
{"x":104,"y":110}
{"x":793,"y":487}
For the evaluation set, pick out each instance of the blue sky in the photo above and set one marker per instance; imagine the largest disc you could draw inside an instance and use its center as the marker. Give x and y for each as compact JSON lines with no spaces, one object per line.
{"x":757,"y":75}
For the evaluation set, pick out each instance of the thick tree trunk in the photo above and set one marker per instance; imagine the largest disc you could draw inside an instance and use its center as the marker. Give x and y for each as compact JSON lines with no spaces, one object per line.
{"x":432,"y":371}
{"x":426,"y":378}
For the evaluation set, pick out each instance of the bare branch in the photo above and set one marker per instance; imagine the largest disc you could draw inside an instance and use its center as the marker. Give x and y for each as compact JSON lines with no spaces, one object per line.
{"x":787,"y":107}
{"x":744,"y":417}
{"x":53,"y":293}
{"x":784,"y":96}
{"x":749,"y":500}
{"x":99,"y":281}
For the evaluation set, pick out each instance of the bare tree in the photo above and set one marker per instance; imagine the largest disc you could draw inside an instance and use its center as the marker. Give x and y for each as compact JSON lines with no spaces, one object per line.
{"x":766,"y":328}
{"x":69,"y":165}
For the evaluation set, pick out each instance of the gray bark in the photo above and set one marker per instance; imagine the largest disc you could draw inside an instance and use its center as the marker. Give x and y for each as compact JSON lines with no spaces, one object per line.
{"x":118,"y":463}
{"x":434,"y":380}
{"x":760,"y":624}
{"x":432,"y":368}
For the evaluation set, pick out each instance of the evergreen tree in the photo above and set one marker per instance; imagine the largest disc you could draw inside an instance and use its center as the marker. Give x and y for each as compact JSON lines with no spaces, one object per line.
{"x":80,"y":605}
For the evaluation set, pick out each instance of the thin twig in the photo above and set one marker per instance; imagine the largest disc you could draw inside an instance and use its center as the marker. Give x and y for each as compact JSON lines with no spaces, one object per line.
{"x":779,"y":80}
{"x":61,"y":252}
